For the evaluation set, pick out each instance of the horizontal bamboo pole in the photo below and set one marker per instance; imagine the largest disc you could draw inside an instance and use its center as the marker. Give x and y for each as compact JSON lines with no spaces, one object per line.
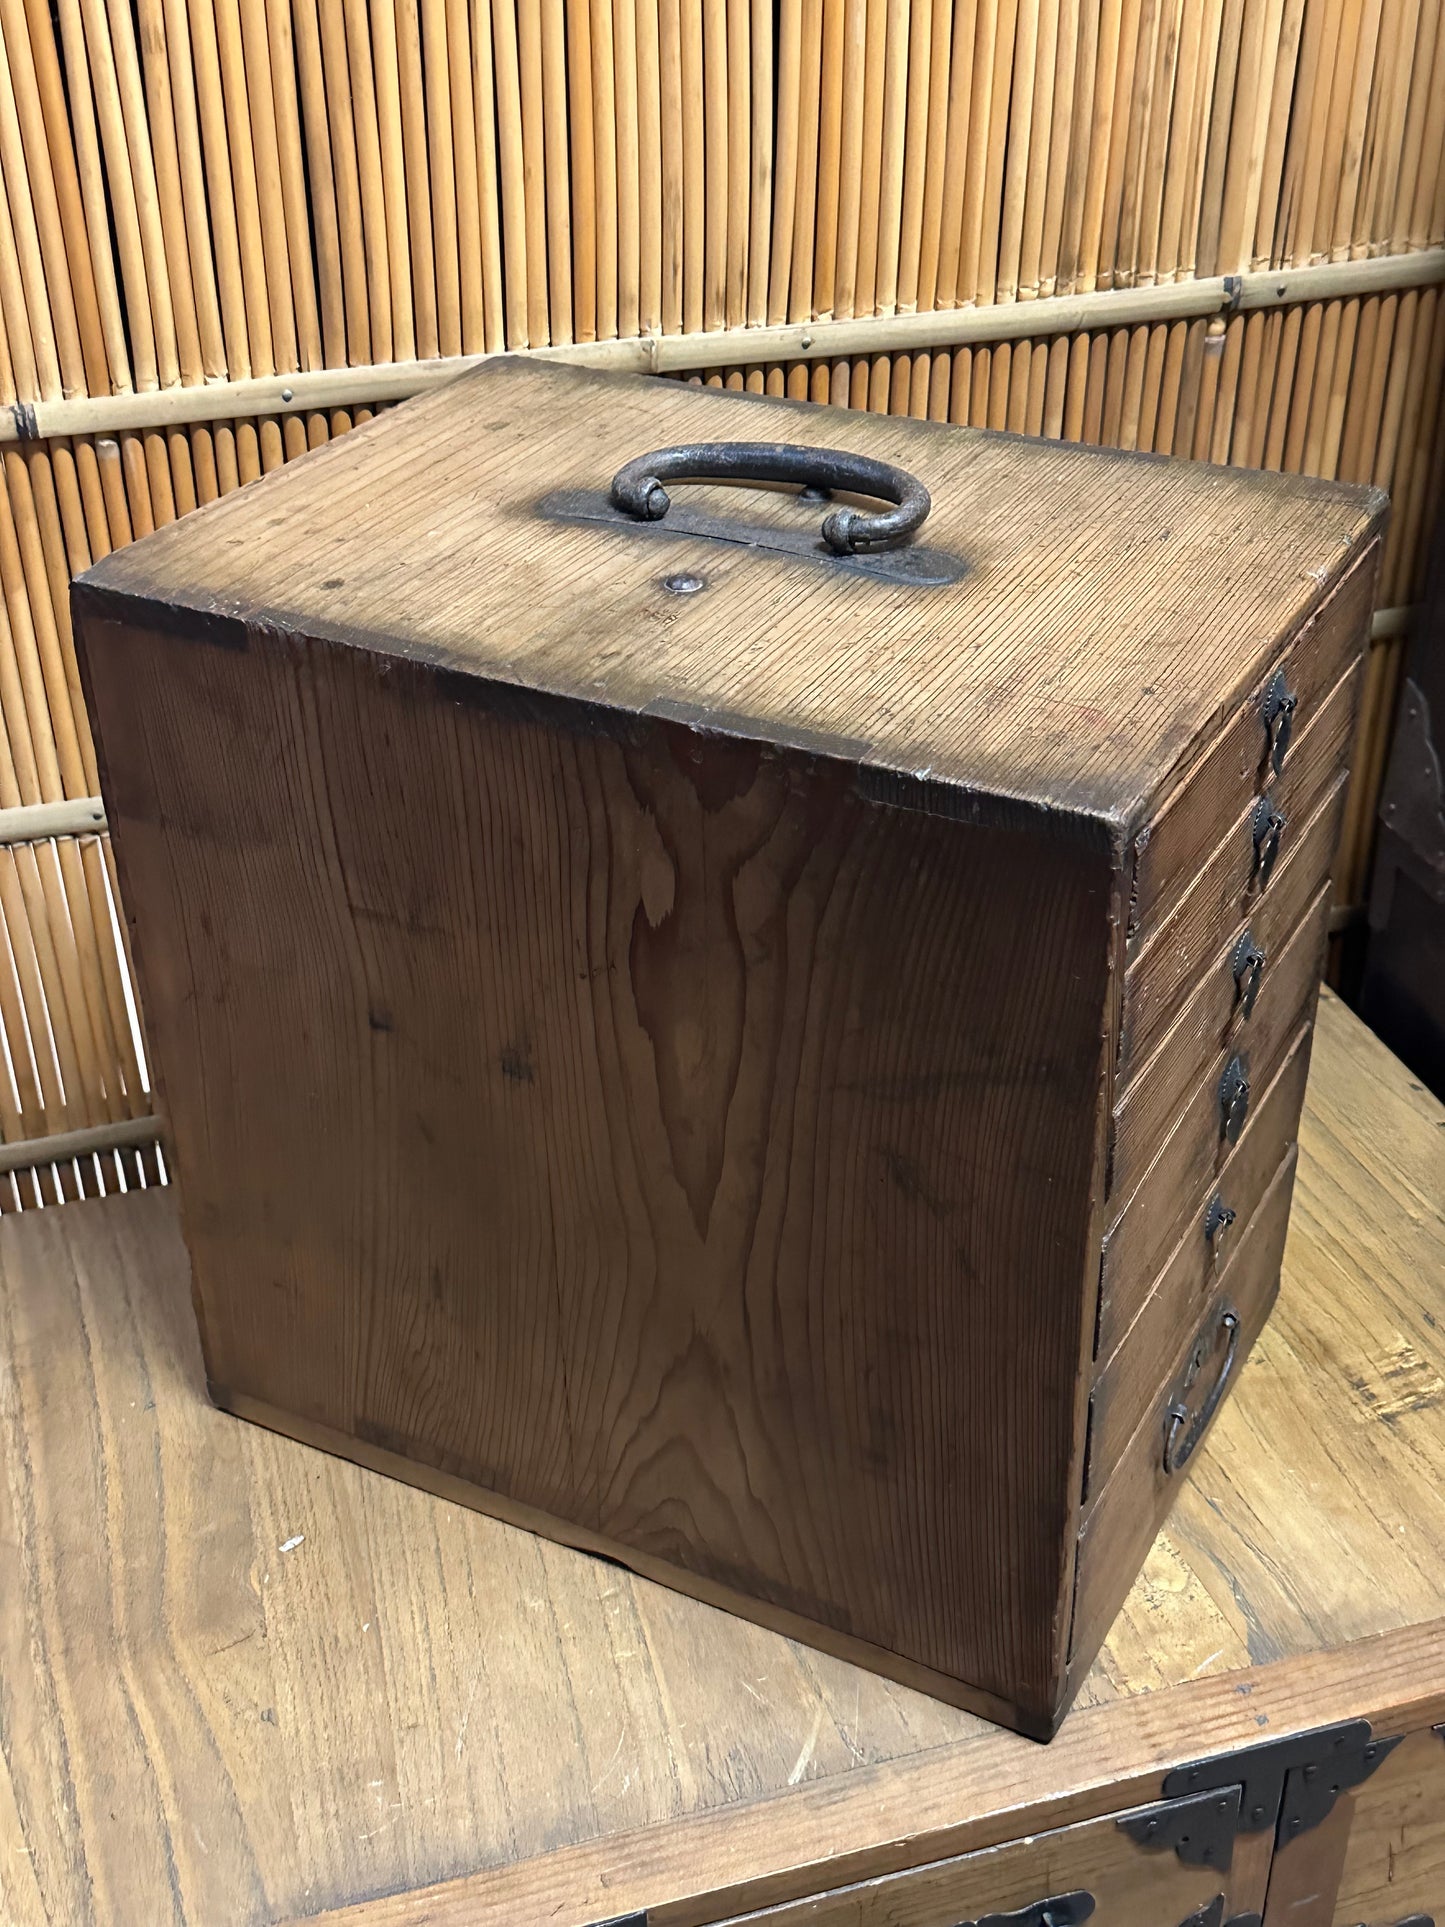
{"x":37,"y":822}
{"x":127,"y":1134}
{"x":1386,"y":624}
{"x":725,"y":347}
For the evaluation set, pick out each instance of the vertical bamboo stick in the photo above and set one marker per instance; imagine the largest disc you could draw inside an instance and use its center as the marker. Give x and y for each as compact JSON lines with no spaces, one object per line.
{"x":406,"y":175}
{"x":334,"y":271}
{"x":694,"y":168}
{"x":890,"y":182}
{"x":489,"y":179}
{"x":669,"y":63}
{"x":738,"y":27}
{"x":519,"y":275}
{"x":832,"y":78}
{"x":467,"y":162}
{"x":760,"y":185}
{"x":629,"y":244}
{"x":649,"y":170}
{"x":534,"y":175}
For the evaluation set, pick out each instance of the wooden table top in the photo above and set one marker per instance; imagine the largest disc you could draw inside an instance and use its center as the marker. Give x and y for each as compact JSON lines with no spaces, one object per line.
{"x":244,"y":1682}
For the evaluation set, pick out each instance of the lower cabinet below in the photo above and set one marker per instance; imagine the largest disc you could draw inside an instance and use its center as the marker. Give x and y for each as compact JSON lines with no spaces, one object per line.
{"x":1107,"y":1872}
{"x":1394,"y":1861}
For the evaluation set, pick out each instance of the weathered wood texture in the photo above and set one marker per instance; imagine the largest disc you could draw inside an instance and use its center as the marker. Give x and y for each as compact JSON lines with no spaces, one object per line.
{"x":637,"y":1185}
{"x":201,"y":1726}
{"x":1394,"y":1863}
{"x":650,"y":1055}
{"x":1113,"y":609}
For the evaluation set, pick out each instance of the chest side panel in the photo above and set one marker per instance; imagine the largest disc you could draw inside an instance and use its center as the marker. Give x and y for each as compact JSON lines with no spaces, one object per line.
{"x":1222,"y":963}
{"x":642,"y":1125}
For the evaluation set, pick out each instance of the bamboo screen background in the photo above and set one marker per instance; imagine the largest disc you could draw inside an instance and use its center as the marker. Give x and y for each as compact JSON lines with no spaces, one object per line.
{"x":1015,"y":213}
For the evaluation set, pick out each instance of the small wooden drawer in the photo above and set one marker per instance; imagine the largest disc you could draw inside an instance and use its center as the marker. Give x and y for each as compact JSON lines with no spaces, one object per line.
{"x":1176,"y":1205}
{"x":1134,"y":1493}
{"x":1258,"y":743}
{"x":1214,"y":1062}
{"x":1235,"y":977}
{"x":1174,"y":1300}
{"x":1246,"y":866}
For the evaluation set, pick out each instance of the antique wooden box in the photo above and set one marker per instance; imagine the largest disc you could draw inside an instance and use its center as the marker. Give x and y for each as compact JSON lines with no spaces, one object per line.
{"x":776,"y":1063}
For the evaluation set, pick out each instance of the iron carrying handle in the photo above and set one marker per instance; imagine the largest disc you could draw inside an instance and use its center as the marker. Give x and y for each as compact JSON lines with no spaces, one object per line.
{"x":1181,"y":1435}
{"x":637,"y":488}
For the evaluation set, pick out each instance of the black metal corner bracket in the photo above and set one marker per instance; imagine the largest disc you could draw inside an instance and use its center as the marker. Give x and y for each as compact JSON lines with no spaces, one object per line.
{"x":1292,"y":1783}
{"x":1199,"y":1829}
{"x":1311,"y":1789}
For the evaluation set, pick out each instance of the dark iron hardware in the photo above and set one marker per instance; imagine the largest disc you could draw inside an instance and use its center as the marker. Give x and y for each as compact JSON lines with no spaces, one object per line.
{"x":1278,"y":710}
{"x":1199,"y":1830}
{"x":1218,"y":1217}
{"x":1417,"y":1920}
{"x":623,"y":1920}
{"x":1264,"y":1772}
{"x":1267,"y":826}
{"x":1064,"y":1910}
{"x":910,"y":565}
{"x":1248,"y":964}
{"x":875,"y":545}
{"x":638,"y":487}
{"x":1233,"y":1098}
{"x":1210,"y":1915}
{"x":1312,"y":1788}
{"x":1182,"y":1432}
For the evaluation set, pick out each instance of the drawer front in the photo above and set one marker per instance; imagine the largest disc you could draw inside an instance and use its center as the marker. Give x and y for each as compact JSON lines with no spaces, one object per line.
{"x":1096,"y":1871}
{"x":1240,"y":762}
{"x":1123,"y":1519}
{"x":1179,"y":1216}
{"x":1129,"y":1381}
{"x":1236,"y":971}
{"x":1245,"y":870}
{"x":1216,"y":1075}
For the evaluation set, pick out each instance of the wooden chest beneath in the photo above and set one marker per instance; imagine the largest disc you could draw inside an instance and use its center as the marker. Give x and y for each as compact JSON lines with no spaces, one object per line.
{"x":778,"y":1066}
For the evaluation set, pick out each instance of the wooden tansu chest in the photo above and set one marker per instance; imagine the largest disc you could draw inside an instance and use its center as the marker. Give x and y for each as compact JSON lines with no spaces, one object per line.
{"x":743,"y":1031}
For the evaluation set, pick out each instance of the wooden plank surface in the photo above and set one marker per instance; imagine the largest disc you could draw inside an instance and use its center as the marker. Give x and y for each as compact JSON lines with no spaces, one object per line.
{"x":241,"y":1681}
{"x":1004,"y":681}
{"x":656,"y":1135}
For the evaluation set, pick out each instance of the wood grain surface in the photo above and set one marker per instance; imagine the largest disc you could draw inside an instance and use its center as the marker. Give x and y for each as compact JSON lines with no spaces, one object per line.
{"x":644,"y":1127}
{"x":243,"y":1682}
{"x":1394,"y":1863}
{"x":1234,"y":764}
{"x":998,"y":683}
{"x":1129,"y":1888}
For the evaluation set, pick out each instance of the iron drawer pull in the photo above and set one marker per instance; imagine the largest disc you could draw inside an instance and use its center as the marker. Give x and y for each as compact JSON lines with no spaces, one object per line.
{"x":1278,"y":708}
{"x":637,"y":488}
{"x":1233,"y":1098}
{"x":1248,"y":964}
{"x":1180,"y":1434}
{"x":1267,"y":827}
{"x":1218,"y":1217}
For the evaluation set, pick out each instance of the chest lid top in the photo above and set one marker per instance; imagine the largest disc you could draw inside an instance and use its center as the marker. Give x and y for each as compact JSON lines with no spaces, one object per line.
{"x":1110,"y":608}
